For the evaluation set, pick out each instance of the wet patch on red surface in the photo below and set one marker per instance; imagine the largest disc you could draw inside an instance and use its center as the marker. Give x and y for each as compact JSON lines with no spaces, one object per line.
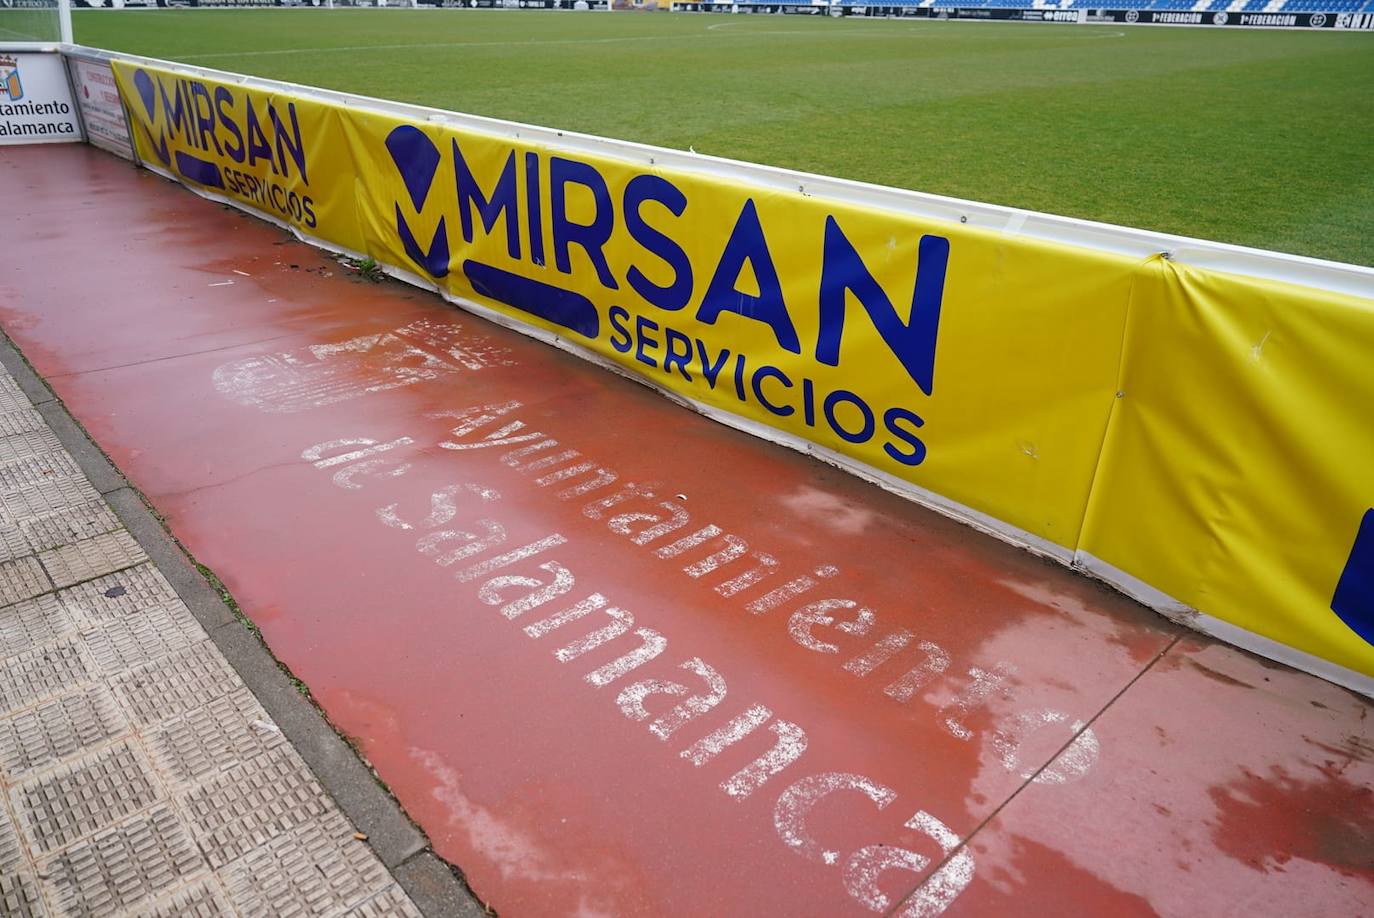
{"x":1075,"y":891}
{"x":1221,"y":795}
{"x":1336,"y":828}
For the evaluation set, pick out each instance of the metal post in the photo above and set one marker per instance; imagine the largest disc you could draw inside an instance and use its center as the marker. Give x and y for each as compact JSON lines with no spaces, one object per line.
{"x":67,"y":66}
{"x":64,"y":19}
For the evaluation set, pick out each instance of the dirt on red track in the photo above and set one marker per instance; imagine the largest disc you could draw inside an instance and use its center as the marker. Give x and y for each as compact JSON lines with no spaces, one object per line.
{"x":617,"y":659}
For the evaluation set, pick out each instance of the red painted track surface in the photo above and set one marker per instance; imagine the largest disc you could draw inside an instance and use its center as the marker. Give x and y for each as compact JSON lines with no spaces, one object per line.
{"x":207,"y":354}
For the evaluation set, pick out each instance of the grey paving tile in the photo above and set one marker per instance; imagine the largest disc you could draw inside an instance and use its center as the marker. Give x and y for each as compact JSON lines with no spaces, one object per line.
{"x":32,"y":623}
{"x":12,"y":401}
{"x":11,"y":846}
{"x":36,"y":674}
{"x":316,"y":869}
{"x":204,"y":899}
{"x":26,"y":382}
{"x":13,"y":544}
{"x":58,"y":729}
{"x":45,"y":497}
{"x":91,"y":558}
{"x":391,"y":902}
{"x":20,"y":420}
{"x":29,"y":470}
{"x":22,"y":579}
{"x":174,"y":684}
{"x":27,"y":445}
{"x":20,"y":895}
{"x":115,"y":646}
{"x":124,"y":865}
{"x":19,"y":890}
{"x":94,"y":464}
{"x":59,"y":806}
{"x":202,"y":599}
{"x":117,"y":595}
{"x":211,"y":739}
{"x":237,"y":810}
{"x":69,"y":525}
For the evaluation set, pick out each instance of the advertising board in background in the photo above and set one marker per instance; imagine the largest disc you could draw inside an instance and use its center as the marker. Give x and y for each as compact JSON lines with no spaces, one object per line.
{"x":101,"y":111}
{"x":36,"y":100}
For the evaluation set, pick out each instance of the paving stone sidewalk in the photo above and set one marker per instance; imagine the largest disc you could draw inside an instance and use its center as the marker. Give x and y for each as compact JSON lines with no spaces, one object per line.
{"x":138,"y":774}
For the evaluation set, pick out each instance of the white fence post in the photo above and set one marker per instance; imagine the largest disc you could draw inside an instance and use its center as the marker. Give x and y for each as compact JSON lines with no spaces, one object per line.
{"x":64,"y":20}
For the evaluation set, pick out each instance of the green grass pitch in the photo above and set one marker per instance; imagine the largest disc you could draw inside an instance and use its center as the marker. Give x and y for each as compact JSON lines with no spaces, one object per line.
{"x":1264,"y":138}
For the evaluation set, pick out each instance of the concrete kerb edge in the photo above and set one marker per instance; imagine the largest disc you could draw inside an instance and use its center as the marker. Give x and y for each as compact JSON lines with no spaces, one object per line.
{"x":434,"y":885}
{"x":104,"y":477}
{"x":33,"y":385}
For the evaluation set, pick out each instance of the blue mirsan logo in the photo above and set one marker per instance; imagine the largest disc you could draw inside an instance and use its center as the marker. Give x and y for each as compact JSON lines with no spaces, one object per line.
{"x":218,"y":138}
{"x":417,"y":160}
{"x":147,"y":93}
{"x":515,"y":212}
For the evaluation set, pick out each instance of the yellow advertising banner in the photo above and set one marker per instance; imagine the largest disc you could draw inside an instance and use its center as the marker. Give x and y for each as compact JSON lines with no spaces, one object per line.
{"x":979,"y":367}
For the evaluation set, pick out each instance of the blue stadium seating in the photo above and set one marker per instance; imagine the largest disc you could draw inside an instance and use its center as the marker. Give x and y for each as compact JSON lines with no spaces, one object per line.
{"x":1324,"y":6}
{"x":1110,"y":4}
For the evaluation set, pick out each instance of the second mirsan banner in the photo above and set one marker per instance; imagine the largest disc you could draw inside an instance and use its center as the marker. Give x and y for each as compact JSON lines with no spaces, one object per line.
{"x":978,"y":367}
